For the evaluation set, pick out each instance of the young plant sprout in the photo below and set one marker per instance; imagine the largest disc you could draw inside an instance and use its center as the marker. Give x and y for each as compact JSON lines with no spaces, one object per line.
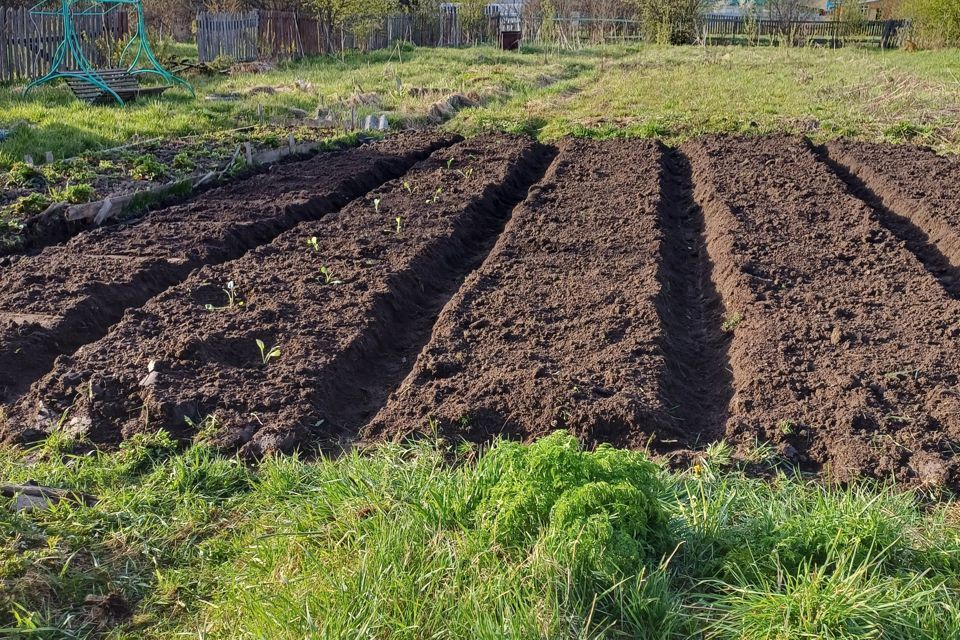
{"x":406,"y":185}
{"x":231,"y":291}
{"x":398,"y":219}
{"x":233,"y":298}
{"x":266,"y":355}
{"x":449,"y":163}
{"x":313,"y":243}
{"x":327,"y":276}
{"x":436,"y":195}
{"x":465,"y":173}
{"x":376,"y":205}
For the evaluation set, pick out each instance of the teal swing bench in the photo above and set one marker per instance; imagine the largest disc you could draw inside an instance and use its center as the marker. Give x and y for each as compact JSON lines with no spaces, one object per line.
{"x":102,"y":85}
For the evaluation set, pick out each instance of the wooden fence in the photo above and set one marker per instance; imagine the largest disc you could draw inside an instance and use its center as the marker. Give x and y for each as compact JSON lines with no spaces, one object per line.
{"x":731,"y":30}
{"x":280,"y":34}
{"x":232,"y":35}
{"x":28,"y":43}
{"x":254,"y":35}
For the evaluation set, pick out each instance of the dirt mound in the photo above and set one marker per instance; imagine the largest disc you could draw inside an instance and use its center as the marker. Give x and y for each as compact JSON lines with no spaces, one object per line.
{"x":566,"y":324}
{"x":753,"y":289}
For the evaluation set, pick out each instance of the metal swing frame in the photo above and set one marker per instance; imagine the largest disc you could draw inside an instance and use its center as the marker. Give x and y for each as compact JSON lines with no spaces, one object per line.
{"x":144,"y":61}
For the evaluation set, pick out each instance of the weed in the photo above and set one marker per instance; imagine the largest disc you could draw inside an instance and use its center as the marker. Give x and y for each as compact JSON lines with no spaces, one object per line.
{"x":731,"y":323}
{"x":29,"y":205}
{"x":74,"y":194}
{"x":147,"y":167}
{"x":266,"y":355}
{"x":183,"y":162}
{"x":205,"y":430}
{"x":760,"y":453}
{"x":719,"y":453}
{"x":22,"y":174}
{"x":786,"y":427}
{"x":904,"y":131}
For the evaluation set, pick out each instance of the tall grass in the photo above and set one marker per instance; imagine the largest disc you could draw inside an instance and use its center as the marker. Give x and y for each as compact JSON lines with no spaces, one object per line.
{"x":426,"y":540}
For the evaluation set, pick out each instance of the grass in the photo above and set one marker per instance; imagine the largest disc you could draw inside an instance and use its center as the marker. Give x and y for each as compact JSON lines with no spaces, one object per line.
{"x":429,"y":540}
{"x":669,"y":92}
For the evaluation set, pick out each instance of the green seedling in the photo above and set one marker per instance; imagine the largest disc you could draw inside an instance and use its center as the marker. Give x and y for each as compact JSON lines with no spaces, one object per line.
{"x":436,"y":195}
{"x":399,"y":225}
{"x":731,"y":323}
{"x":313,"y":243}
{"x":233,"y":298}
{"x":266,"y":355}
{"x":786,"y":427}
{"x":406,"y":185}
{"x":376,"y":205}
{"x":466,"y":173}
{"x":449,"y":163}
{"x":327,"y":276}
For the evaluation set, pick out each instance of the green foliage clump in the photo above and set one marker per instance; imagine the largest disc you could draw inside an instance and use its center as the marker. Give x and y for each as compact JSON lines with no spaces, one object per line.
{"x":597,"y":511}
{"x":147,"y":167}
{"x":934,"y":23}
{"x":74,"y":194}
{"x":22,"y":174}
{"x":183,"y":162}
{"x":74,"y":169}
{"x":906,"y":132}
{"x":28,"y":205}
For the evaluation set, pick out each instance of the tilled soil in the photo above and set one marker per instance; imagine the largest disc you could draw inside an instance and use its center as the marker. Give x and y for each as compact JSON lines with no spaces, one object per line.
{"x":845,"y":348}
{"x":166,"y":362}
{"x":69,"y":295}
{"x":568,"y":323}
{"x":759,"y":290}
{"x":915,"y":193}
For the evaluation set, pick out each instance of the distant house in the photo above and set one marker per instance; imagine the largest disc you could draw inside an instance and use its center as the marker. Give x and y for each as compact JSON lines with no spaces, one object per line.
{"x":818,"y":9}
{"x":879,"y":9}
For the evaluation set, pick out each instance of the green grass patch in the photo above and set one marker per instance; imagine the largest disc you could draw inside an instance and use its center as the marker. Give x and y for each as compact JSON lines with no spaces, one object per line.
{"x":648,"y":91}
{"x":424,"y":540}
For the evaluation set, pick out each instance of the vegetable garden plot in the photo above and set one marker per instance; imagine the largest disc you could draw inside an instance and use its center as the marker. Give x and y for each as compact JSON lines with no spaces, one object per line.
{"x":69,"y":295}
{"x":918,"y":194}
{"x":565,"y":325}
{"x":754,"y":289}
{"x":844,"y":348}
{"x":313,"y":327}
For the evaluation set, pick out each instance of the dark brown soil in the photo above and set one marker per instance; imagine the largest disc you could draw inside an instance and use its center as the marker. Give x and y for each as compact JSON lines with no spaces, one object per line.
{"x":573,"y":321}
{"x":917,"y":194}
{"x":846,"y":352}
{"x":754,"y":289}
{"x":173,"y":363}
{"x":69,"y":295}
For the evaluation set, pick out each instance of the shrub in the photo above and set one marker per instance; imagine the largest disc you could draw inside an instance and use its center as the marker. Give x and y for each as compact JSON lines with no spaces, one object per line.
{"x":935,"y":23}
